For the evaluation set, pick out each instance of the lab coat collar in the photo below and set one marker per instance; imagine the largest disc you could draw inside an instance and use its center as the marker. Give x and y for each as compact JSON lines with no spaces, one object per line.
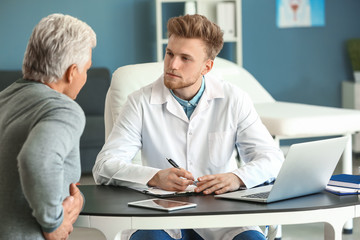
{"x":160,"y":94}
{"x":214,"y":87}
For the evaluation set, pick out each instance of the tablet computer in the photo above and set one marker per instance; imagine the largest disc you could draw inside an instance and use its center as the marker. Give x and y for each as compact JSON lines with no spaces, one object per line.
{"x":162,"y":204}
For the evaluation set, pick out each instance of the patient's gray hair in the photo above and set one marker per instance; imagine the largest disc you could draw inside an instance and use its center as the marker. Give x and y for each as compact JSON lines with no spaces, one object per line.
{"x":57,"y":42}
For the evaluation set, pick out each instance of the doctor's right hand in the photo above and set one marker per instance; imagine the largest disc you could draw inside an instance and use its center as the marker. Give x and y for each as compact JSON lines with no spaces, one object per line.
{"x":172,"y":179}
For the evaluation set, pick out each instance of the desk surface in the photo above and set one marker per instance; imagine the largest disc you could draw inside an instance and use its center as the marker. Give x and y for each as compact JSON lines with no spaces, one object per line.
{"x":113,"y":201}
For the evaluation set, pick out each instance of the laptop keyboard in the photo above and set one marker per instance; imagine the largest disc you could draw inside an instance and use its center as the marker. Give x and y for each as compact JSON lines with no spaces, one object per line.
{"x":263,"y":195}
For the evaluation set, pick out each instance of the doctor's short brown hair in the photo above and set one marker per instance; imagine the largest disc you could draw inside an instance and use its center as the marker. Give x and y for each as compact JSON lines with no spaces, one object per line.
{"x":198,"y":26}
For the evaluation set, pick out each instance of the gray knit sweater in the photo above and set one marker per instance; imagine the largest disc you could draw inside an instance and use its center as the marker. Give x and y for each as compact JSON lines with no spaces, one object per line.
{"x":40,"y":131}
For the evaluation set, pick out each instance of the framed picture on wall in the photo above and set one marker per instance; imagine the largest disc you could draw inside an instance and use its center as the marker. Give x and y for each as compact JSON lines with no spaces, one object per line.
{"x":300,"y":13}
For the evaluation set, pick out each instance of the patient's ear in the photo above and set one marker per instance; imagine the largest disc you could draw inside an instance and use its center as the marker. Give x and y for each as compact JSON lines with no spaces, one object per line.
{"x":71,"y":73}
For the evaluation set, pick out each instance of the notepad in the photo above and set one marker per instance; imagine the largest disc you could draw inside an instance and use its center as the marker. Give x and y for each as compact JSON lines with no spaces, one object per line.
{"x":163,"y":193}
{"x":342,"y":190}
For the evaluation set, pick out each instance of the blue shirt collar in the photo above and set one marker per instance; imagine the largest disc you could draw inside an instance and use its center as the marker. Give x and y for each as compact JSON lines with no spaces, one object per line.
{"x":189,"y":106}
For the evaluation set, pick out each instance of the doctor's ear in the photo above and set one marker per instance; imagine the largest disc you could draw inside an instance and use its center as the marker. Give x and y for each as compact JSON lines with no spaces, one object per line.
{"x":208,"y":66}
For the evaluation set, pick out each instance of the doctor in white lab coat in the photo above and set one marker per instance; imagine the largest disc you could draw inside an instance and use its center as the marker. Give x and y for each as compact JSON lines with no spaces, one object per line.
{"x":194,"y":118}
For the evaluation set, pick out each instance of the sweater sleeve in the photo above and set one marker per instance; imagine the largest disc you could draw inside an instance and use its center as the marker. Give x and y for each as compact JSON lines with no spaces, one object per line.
{"x":41,"y":161}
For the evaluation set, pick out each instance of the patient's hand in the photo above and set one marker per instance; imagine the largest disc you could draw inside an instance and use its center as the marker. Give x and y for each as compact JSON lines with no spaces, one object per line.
{"x":72,"y":206}
{"x":218,"y":183}
{"x":172,"y":179}
{"x":66,"y":227}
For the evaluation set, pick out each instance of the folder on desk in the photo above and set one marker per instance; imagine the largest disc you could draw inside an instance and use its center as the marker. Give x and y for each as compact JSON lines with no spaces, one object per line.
{"x":345,"y":180}
{"x":163,"y":193}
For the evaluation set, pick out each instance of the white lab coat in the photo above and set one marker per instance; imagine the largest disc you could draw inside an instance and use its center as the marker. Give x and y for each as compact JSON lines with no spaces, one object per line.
{"x":154,"y":122}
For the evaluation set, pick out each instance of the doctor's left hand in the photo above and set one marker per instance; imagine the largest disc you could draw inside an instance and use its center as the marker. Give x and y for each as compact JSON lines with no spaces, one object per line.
{"x":172,"y":179}
{"x":218,"y":183}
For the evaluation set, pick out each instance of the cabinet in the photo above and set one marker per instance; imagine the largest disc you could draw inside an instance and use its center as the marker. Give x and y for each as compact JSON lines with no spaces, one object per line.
{"x":351,"y":99}
{"x":232,"y":44}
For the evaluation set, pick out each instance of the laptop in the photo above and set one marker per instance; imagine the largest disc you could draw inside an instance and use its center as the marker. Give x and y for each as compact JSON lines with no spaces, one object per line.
{"x":306,"y":170}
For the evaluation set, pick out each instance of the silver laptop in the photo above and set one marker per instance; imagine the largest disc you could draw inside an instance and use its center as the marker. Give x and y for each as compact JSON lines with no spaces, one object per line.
{"x":306,"y":170}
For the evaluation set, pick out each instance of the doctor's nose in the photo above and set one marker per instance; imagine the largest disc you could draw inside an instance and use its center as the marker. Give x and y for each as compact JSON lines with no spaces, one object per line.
{"x":175,"y":63}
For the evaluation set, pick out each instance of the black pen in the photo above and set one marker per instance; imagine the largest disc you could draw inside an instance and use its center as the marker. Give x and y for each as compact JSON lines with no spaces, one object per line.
{"x":173,"y":163}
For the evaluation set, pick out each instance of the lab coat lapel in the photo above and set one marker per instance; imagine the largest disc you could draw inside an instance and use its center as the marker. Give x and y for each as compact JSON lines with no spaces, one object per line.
{"x":175,"y":108}
{"x":161,"y":95}
{"x":213,"y":89}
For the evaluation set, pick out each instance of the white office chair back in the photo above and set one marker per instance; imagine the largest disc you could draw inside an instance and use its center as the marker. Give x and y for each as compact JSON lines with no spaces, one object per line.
{"x":243,"y":79}
{"x":130,"y":78}
{"x":126,"y":80}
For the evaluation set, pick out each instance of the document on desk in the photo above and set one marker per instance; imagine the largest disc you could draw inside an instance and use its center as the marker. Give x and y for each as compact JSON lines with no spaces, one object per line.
{"x":342,"y":190}
{"x":163,"y":193}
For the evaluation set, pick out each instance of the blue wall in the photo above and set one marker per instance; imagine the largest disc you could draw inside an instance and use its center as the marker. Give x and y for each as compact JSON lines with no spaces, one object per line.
{"x":303,"y":65}
{"x":125,"y":28}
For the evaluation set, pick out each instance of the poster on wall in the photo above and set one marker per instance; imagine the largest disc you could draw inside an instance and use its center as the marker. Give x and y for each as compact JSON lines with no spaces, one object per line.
{"x":300,"y":13}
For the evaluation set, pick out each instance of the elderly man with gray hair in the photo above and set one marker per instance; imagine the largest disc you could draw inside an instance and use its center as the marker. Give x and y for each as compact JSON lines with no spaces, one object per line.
{"x":40,"y":129}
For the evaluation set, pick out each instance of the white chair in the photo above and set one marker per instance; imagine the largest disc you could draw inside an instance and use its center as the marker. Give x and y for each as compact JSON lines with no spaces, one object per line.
{"x":126,"y":80}
{"x":284,"y":120}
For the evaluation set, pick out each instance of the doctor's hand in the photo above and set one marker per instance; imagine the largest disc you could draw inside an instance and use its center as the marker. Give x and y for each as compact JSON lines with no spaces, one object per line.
{"x":172,"y":179}
{"x":218,"y":183}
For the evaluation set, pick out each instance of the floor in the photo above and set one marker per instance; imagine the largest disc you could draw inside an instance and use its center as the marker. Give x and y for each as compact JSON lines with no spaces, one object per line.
{"x":312,"y":231}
